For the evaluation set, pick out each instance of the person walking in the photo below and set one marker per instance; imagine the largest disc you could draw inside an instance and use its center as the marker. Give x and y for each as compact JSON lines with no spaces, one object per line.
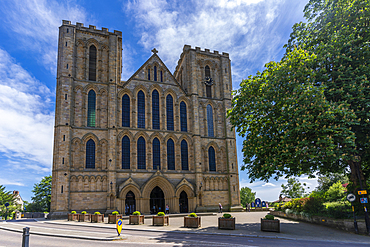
{"x":167,"y":209}
{"x":220,"y":208}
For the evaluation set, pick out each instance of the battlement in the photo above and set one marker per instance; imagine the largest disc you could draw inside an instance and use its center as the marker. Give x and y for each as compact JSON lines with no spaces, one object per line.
{"x":79,"y":25}
{"x":205,"y":51}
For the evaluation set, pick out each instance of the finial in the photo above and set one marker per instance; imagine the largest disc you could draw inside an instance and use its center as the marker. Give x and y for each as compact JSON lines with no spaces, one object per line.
{"x":155,"y":51}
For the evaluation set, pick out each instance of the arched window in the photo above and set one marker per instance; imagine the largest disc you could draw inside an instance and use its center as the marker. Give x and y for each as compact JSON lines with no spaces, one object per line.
{"x":161,"y":76}
{"x":183,"y":117}
{"x":211,"y":159}
{"x":92,"y":63}
{"x":169,"y":109}
{"x":126,"y":153}
{"x":90,"y":154}
{"x":210,"y":121}
{"x":149,"y":74}
{"x":141,"y":153}
{"x":207,"y":71}
{"x":156,"y":154}
{"x":155,"y":73}
{"x":91,"y":108}
{"x":155,"y":109}
{"x":140,"y":110}
{"x":184,"y":155}
{"x":170,"y":155}
{"x":125,"y":111}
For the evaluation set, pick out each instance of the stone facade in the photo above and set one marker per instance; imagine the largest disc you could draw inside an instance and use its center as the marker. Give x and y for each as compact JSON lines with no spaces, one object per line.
{"x":94,"y":170}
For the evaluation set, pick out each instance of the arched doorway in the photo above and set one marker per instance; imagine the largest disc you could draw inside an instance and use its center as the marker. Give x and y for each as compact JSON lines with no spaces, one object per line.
{"x":183,"y":202}
{"x":157,"y":201}
{"x":130,"y":206}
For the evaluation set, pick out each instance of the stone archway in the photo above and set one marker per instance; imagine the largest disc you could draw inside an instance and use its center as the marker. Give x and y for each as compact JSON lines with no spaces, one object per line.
{"x":183,"y":202}
{"x":157,"y":200}
{"x":130,"y":201}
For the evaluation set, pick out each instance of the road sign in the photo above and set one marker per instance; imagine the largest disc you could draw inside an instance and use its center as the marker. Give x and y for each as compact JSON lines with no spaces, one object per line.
{"x":119,"y":226}
{"x":351,"y":197}
{"x":362,"y":192}
{"x":363,"y":200}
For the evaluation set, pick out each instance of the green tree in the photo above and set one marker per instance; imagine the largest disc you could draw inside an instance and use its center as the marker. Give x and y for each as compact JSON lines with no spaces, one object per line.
{"x":325,"y":181}
{"x":42,"y":195}
{"x":309,"y":112}
{"x":293,"y":189}
{"x":336,"y":192}
{"x":246,"y":196}
{"x":6,"y":197}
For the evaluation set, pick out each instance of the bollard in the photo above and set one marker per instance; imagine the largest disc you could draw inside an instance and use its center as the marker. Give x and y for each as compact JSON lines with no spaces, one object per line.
{"x":26,"y":237}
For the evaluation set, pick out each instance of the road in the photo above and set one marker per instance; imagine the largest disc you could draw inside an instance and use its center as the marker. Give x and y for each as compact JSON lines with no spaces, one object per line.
{"x":149,"y":238}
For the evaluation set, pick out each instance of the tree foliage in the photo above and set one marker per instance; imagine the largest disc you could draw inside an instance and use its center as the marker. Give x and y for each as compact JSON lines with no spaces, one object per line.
{"x":6,"y":196}
{"x":310,"y":111}
{"x":326,"y":181}
{"x":335,"y":193}
{"x":42,"y":196}
{"x":293,"y":189}
{"x":247,"y":196}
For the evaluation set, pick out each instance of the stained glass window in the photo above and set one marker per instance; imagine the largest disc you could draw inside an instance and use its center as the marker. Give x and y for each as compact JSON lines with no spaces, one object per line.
{"x":91,"y":108}
{"x":155,"y":109}
{"x":210,"y":121}
{"x":156,"y":154}
{"x":90,"y":154}
{"x":184,"y":155}
{"x":140,"y":110}
{"x":170,"y":155}
{"x":211,"y":159}
{"x":183,"y":117}
{"x":169,"y":109}
{"x":155,"y":73}
{"x":92,"y":63}
{"x":141,"y":153}
{"x":125,"y":111}
{"x":126,"y":152}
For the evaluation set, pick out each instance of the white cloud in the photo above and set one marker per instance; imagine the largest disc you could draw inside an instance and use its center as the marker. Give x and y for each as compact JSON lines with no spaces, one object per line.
{"x":7,"y":182}
{"x":36,"y":23}
{"x":26,"y":124}
{"x":268,"y":185}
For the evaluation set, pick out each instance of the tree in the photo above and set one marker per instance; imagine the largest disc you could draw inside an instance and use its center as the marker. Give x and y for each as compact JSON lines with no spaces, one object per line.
{"x":309,"y":112}
{"x":336,"y":192}
{"x":6,"y":197}
{"x":247,"y":196}
{"x":293,"y":189}
{"x":42,"y":198}
{"x":325,"y":182}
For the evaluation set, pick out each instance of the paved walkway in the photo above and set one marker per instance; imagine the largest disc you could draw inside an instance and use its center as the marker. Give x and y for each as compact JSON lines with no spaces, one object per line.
{"x":247,"y":224}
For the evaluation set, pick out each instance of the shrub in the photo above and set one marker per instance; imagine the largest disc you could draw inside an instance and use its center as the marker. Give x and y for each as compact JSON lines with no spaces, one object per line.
{"x":97,"y":213}
{"x":338,"y":210}
{"x":115,"y":213}
{"x":269,"y":217}
{"x":192,"y":215}
{"x":227,"y":216}
{"x":136,"y":213}
{"x":73,"y":212}
{"x":313,"y":205}
{"x":83,"y":212}
{"x":160,"y":214}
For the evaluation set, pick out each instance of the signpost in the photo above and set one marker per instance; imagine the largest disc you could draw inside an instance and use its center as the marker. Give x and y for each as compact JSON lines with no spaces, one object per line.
{"x":119,"y":226}
{"x":362,"y":192}
{"x":351,"y":198}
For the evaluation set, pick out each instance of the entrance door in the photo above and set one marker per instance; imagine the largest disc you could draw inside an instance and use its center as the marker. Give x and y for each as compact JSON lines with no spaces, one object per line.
{"x":183,"y":201}
{"x":130,"y":206}
{"x":157,"y":201}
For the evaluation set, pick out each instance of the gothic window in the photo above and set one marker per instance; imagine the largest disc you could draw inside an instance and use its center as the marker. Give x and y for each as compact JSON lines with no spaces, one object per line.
{"x":125,"y":153}
{"x":149,"y":74}
{"x":155,"y":73}
{"x":211,"y":159}
{"x":184,"y":155}
{"x":90,"y":154}
{"x":170,"y":155}
{"x":209,"y":91}
{"x":161,"y":76}
{"x":140,"y":110}
{"x":183,"y":117}
{"x":156,"y":154}
{"x":210,"y":121}
{"x":155,"y":109}
{"x":207,"y":71}
{"x":92,"y":63}
{"x":125,"y":111}
{"x":91,"y":108}
{"x":169,"y":109}
{"x":141,"y":162}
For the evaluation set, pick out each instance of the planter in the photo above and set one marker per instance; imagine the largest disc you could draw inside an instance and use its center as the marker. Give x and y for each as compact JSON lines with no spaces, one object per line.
{"x":270,"y":225}
{"x":112,"y":218}
{"x":161,"y":220}
{"x":84,"y":217}
{"x":136,"y":219}
{"x":72,"y":217}
{"x":97,"y":218}
{"x":226,"y":223}
{"x":193,"y":222}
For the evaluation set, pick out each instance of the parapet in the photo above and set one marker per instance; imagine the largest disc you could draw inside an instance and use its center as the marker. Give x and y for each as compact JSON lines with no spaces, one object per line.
{"x":103,"y":30}
{"x":205,"y":51}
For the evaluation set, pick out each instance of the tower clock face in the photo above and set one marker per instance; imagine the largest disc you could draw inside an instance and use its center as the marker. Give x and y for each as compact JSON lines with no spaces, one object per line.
{"x":208,"y":81}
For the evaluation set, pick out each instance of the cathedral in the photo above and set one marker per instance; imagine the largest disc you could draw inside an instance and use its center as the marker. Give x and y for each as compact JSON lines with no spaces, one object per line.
{"x":157,"y":139}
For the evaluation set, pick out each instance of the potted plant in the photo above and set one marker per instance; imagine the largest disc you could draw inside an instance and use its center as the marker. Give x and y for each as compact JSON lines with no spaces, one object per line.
{"x":73,"y":216}
{"x":192,"y":220}
{"x":136,"y":218}
{"x":270,"y":224}
{"x":84,"y":217}
{"x":161,"y":219}
{"x":112,"y":218}
{"x":227,"y":221}
{"x":97,"y":217}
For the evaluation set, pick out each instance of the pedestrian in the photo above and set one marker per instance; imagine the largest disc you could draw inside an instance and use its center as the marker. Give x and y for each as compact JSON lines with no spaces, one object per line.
{"x":167,"y":209}
{"x":220,"y":208}
{"x":248,"y":207}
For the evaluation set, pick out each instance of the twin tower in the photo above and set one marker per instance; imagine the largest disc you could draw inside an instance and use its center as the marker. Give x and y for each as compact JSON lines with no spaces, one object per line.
{"x":157,"y":139}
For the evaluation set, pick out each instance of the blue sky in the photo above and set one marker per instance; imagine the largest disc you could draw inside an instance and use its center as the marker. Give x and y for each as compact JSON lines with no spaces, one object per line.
{"x":253,"y":32}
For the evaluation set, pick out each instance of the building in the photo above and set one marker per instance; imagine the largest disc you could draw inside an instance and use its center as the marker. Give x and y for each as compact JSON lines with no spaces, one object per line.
{"x":156,"y":139}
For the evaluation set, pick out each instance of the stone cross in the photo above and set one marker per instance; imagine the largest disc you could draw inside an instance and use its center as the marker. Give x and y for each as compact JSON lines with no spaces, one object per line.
{"x":155,"y":51}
